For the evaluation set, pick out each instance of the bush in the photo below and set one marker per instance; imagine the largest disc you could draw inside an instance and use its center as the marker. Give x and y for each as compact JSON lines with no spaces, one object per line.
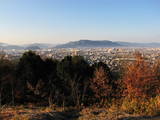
{"x":144,"y":106}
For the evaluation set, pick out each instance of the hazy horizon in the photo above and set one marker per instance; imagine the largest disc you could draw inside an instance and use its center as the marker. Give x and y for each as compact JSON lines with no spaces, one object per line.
{"x":61,"y":21}
{"x":75,"y":41}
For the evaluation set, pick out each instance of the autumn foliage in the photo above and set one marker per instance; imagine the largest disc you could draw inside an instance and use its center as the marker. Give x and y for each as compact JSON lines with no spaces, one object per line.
{"x":140,"y":79}
{"x":100,"y":85}
{"x":72,"y":81}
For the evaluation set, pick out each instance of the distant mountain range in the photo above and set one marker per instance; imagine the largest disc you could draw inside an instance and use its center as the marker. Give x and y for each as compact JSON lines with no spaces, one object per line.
{"x":7,"y":46}
{"x":79,"y":44}
{"x":104,"y":43}
{"x":89,"y":43}
{"x":34,"y":46}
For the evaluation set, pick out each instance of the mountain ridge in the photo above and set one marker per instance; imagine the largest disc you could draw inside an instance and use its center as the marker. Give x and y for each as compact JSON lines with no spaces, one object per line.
{"x":80,"y":44}
{"x":89,"y":43}
{"x":105,"y":43}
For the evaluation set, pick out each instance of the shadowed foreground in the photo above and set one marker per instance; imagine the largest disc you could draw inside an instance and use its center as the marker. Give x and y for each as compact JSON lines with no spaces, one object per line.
{"x":34,"y":113}
{"x":74,"y":82}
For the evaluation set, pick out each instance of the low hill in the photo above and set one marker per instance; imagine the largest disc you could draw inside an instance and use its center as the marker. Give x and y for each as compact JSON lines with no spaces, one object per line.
{"x":40,"y":45}
{"x":33,"y":48}
{"x":89,"y":43}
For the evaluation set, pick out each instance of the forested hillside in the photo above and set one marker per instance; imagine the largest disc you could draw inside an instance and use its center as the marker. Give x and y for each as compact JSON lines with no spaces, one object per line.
{"x":73,"y":82}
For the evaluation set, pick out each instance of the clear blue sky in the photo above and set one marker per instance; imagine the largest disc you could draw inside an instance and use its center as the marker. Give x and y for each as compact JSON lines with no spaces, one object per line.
{"x":59,"y":21}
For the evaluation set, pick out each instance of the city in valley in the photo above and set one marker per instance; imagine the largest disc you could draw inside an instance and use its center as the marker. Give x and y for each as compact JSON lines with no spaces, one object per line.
{"x":79,"y":59}
{"x":111,"y":56}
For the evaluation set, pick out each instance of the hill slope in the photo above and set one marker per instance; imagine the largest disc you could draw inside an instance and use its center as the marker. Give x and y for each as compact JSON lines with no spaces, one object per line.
{"x":89,"y":43}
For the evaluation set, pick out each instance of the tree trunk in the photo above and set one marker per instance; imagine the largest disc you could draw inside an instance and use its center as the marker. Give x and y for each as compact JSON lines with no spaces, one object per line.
{"x":12,"y":96}
{"x":50,"y":100}
{"x":0,"y":99}
{"x":12,"y":92}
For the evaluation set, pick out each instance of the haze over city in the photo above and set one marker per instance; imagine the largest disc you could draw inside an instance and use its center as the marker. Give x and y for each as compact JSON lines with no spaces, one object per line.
{"x":79,"y":59}
{"x":60,"y":21}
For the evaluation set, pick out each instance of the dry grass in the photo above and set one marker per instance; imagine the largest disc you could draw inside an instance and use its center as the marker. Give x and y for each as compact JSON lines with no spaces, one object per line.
{"x":22,"y":112}
{"x":56,"y":113}
{"x":38,"y":113}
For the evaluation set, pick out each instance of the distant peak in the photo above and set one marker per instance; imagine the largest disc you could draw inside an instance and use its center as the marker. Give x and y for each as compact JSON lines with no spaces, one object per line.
{"x":89,"y":43}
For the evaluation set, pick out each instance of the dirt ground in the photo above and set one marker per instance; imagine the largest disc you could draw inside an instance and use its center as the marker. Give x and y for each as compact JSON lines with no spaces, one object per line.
{"x":41,"y":113}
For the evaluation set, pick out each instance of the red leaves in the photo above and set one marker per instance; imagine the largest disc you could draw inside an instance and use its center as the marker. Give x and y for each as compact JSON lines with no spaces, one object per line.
{"x":100,"y":84}
{"x":140,"y":79}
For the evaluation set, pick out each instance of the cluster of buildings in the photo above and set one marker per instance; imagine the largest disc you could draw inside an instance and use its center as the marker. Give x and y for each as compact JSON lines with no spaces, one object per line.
{"x":111,"y":56}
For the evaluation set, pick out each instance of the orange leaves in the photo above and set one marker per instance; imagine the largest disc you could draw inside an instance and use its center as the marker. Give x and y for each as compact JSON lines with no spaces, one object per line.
{"x":140,"y":79}
{"x":100,"y":84}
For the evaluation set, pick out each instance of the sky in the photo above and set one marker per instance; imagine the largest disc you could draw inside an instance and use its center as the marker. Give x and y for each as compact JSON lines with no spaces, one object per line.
{"x":60,"y":21}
